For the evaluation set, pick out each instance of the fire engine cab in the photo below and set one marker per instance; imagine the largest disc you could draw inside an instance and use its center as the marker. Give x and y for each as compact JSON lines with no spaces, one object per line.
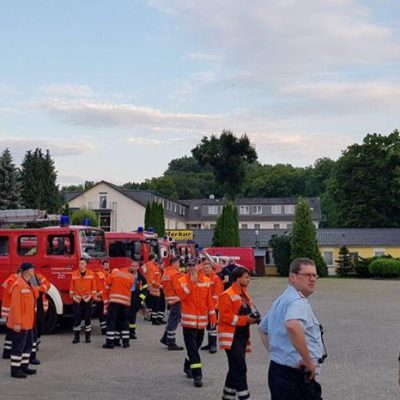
{"x":55,"y":251}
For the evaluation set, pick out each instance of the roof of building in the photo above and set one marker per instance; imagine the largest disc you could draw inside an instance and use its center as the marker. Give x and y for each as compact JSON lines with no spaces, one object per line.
{"x":197,"y":208}
{"x":357,"y":237}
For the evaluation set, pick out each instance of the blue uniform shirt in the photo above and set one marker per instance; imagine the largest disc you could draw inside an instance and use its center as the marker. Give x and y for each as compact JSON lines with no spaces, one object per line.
{"x":288,"y":306}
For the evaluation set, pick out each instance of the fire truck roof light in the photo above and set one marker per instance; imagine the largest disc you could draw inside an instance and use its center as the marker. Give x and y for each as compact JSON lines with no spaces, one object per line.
{"x":140,"y":228}
{"x":64,"y":220}
{"x":86,"y":222}
{"x":150,"y":230}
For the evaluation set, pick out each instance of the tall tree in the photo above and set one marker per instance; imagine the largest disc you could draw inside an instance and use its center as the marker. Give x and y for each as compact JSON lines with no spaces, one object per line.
{"x":304,"y":238}
{"x":364,"y":190}
{"x":9,"y":183}
{"x":147,"y":216}
{"x":38,"y":179}
{"x":344,"y":264}
{"x":226,"y":233}
{"x":281,"y":250}
{"x":227,"y":155}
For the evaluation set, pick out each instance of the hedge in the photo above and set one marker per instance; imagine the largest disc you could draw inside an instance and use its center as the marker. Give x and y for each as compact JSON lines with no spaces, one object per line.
{"x":385,"y":267}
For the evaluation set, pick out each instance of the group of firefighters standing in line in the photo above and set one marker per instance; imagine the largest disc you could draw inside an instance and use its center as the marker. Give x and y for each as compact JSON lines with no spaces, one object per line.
{"x":194,"y":297}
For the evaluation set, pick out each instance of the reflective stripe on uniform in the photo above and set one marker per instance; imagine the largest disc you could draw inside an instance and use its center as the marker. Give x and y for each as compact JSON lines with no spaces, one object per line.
{"x":195,"y":366}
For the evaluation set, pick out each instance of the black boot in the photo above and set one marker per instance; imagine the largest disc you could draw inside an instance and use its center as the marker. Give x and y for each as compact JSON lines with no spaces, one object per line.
{"x":174,"y":347}
{"x":33,"y":360}
{"x":87,"y":337}
{"x":76,"y":338}
{"x":16,"y":372}
{"x":132,"y":333}
{"x":188,"y":372}
{"x":125,"y":343}
{"x":109,"y":344}
{"x":198,"y":381}
{"x":206,"y":347}
{"x":28,"y":371}
{"x":103,"y":331}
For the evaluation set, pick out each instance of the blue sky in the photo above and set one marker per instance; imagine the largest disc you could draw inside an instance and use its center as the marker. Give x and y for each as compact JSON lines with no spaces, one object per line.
{"x":116,"y":89}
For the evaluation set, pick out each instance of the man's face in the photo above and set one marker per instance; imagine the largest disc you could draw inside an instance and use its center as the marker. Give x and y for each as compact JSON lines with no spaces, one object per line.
{"x":30,"y":272}
{"x":207,"y":269}
{"x":305,"y":280}
{"x":244,"y":280}
{"x":82,"y":265}
{"x":134,"y":267}
{"x":106,"y":266}
{"x":176,"y":264}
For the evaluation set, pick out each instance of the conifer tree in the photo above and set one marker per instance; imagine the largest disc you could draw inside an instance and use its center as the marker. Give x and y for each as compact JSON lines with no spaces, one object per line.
{"x":304,"y":238}
{"x":147,"y":215}
{"x":9,"y":184}
{"x":344,"y":264}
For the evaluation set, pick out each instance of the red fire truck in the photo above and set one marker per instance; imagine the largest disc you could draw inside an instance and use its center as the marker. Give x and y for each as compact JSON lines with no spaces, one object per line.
{"x":242,"y":255}
{"x":55,"y":252}
{"x":122,"y":247}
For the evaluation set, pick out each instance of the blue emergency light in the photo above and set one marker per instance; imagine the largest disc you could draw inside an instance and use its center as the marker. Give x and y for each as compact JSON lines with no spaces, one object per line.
{"x":86,"y":222}
{"x":140,"y":229}
{"x":150,"y":230}
{"x":64,"y":220}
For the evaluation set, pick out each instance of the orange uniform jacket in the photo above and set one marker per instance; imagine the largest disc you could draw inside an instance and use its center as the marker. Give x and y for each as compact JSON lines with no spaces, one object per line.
{"x":121,"y":281}
{"x":153,"y":277}
{"x":44,"y":287}
{"x":7,"y":285}
{"x":170,"y":282}
{"x":197,"y":304}
{"x":217,"y":287}
{"x":230,"y":302}
{"x":22,"y":306}
{"x":83,"y":287}
{"x":101,"y":278}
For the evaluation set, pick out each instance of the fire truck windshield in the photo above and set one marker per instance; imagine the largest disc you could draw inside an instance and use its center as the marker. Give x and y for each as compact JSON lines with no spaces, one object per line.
{"x":92,"y":242}
{"x":154,"y":246}
{"x":126,"y":248}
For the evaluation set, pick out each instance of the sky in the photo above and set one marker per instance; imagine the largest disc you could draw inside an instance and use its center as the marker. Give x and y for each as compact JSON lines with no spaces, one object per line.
{"x":117,"y":89}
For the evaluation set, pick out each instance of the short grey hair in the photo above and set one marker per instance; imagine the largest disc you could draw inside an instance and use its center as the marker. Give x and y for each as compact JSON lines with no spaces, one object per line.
{"x":297,"y":263}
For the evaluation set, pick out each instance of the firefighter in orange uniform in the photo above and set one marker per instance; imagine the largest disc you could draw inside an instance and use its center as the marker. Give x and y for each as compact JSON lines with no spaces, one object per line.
{"x":21,"y":320}
{"x":197,"y":311}
{"x":170,"y":282}
{"x":5,"y":310}
{"x":42,"y":305}
{"x":120,"y":282}
{"x":217,"y":287}
{"x":153,"y":277}
{"x":236,"y":314}
{"x":82,"y":291}
{"x":101,"y":296}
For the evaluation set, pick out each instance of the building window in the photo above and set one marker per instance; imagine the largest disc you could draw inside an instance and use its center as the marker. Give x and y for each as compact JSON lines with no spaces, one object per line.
{"x":276,"y":209}
{"x":213,"y":210}
{"x":244,"y":210}
{"x":244,"y":226}
{"x":379,"y":252}
{"x":277,"y":226}
{"x":257,"y":209}
{"x":328,"y":258}
{"x":289,"y":208}
{"x":103,"y":202}
{"x":257,"y":226}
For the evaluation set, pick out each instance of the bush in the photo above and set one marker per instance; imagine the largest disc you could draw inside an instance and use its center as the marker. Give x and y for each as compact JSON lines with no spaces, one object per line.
{"x":362,"y":266}
{"x":385,"y":267}
{"x":281,"y":250}
{"x":79,"y":215}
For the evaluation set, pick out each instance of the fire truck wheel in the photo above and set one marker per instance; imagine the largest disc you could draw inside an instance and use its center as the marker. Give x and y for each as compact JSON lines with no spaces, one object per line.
{"x":50,"y":318}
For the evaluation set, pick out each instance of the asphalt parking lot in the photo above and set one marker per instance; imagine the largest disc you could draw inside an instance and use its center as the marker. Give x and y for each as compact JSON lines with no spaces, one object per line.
{"x":361,"y":320}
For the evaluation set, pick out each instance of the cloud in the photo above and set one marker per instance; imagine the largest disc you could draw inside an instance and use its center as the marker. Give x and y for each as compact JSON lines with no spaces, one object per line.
{"x":66,"y":90}
{"x":58,"y":147}
{"x":107,"y":114}
{"x":268,"y":39}
{"x":146,"y":141}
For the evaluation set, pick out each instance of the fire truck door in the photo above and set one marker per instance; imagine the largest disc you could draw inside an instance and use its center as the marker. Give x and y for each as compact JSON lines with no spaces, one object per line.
{"x":5,"y":260}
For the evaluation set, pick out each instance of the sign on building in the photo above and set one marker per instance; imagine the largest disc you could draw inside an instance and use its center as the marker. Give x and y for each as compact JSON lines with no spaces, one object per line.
{"x":180,"y":234}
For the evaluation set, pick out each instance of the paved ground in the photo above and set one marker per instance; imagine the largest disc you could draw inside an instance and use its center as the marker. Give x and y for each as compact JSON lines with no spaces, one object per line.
{"x":361,"y":320}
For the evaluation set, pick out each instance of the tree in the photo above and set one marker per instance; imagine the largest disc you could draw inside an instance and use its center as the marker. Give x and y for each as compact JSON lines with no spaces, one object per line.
{"x":154,"y":218}
{"x":304,"y":238}
{"x":147,"y":216}
{"x":364,"y":190}
{"x":227,"y":155}
{"x":281,"y":251}
{"x":79,"y":216}
{"x":9,"y":183}
{"x":344,"y":264}
{"x":39,"y":189}
{"x":226,"y":232}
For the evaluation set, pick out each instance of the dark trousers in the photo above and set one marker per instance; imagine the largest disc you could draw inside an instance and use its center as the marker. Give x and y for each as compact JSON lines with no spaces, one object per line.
{"x":286,"y":383}
{"x":21,"y":348}
{"x":136,"y":305}
{"x":39,"y":318}
{"x":154,"y":305}
{"x":34,"y":344}
{"x":7,"y":343}
{"x":117,"y":323}
{"x":236,"y":379}
{"x":173,"y":321}
{"x":82,"y":311}
{"x":212,"y":333}
{"x":102,"y":317}
{"x":193,"y":339}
